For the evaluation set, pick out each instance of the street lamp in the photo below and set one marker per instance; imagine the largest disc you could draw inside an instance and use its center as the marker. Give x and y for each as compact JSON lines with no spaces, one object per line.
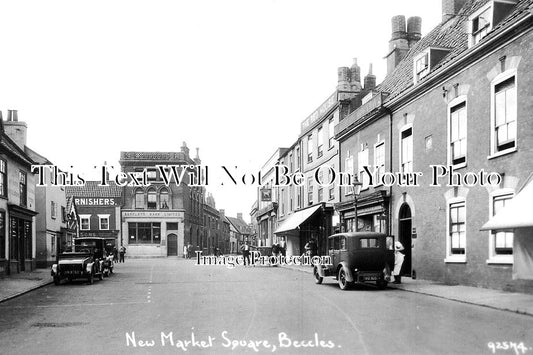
{"x":356,"y":191}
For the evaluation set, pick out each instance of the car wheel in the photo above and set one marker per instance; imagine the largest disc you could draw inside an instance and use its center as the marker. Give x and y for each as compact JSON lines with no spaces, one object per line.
{"x":57,"y":280}
{"x":90,"y":278}
{"x":318,"y":278}
{"x":343,"y":283}
{"x":382,"y":284}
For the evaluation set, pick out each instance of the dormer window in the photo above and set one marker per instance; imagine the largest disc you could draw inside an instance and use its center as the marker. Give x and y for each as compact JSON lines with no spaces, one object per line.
{"x":481,"y":24}
{"x":425,"y":61}
{"x":421,"y":66}
{"x":487,"y":17}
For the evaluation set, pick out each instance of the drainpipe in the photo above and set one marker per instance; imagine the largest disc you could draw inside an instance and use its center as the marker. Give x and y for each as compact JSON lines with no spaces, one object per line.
{"x":389,"y":112}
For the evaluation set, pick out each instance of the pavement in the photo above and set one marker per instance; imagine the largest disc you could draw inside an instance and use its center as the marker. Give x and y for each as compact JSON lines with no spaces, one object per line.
{"x":496,"y":299}
{"x":18,"y":284}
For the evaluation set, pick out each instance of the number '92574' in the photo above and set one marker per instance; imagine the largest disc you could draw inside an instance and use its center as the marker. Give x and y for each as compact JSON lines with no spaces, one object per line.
{"x":518,"y":348}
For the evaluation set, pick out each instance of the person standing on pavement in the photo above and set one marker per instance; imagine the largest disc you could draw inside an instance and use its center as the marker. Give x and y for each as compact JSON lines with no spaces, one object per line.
{"x":398,"y":261}
{"x":283,"y":246}
{"x":122,"y":252}
{"x":311,"y":247}
{"x":185,"y":252}
{"x":246,"y":252}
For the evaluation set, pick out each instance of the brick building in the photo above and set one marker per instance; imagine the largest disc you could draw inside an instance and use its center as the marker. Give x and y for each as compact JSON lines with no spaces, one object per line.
{"x":459,"y":97}
{"x":98,"y":209}
{"x":158,"y":220}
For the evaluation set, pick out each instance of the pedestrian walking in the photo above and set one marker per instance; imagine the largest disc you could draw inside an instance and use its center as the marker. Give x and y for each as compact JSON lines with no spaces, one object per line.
{"x":311,"y":247}
{"x":185,"y":252}
{"x":283,"y":246}
{"x":122,"y":252}
{"x":115,"y":254}
{"x":189,"y":251}
{"x":246,"y":252}
{"x":398,"y":261}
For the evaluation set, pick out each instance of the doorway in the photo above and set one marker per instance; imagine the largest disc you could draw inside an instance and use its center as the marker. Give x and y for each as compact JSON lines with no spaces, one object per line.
{"x":172,"y":245}
{"x":404,"y":236}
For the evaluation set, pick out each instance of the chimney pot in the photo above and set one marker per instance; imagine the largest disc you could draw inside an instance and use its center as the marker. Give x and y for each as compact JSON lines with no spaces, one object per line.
{"x":450,"y":8}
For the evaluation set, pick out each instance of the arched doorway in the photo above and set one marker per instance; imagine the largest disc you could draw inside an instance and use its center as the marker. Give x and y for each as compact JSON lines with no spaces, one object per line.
{"x":172,"y":245}
{"x":404,"y":236}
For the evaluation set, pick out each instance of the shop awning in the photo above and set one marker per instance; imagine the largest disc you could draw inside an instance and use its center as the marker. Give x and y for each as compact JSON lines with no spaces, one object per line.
{"x":516,"y":214}
{"x":296,"y":219}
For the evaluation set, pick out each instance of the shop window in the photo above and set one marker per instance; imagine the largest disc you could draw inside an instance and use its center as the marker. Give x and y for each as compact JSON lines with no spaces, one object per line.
{"x":144,"y":233}
{"x":2,"y":234}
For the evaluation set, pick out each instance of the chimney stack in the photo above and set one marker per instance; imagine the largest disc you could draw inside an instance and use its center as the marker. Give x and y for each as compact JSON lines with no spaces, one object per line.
{"x":399,"y":44}
{"x":239,"y":215}
{"x":414,"y":30}
{"x":197,"y":159}
{"x":185,"y":150}
{"x":450,"y":8}
{"x":370,"y":79}
{"x":355,"y":72}
{"x":16,"y":130}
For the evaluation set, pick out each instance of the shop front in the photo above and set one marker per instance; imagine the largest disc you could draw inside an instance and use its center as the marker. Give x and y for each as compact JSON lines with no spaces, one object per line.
{"x":310,"y":223}
{"x":372,"y":213}
{"x":152,"y":233}
{"x":21,"y":239}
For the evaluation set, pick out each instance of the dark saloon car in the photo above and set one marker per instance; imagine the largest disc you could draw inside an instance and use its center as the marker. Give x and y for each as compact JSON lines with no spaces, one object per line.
{"x":358,"y":257}
{"x":86,"y":261}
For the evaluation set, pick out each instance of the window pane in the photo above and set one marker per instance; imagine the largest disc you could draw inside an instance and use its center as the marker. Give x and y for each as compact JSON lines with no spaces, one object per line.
{"x":500,"y":108}
{"x":510,"y":105}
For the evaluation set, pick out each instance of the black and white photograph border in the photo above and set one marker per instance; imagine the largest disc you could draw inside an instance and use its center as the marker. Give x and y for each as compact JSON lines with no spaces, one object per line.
{"x":266,"y":176}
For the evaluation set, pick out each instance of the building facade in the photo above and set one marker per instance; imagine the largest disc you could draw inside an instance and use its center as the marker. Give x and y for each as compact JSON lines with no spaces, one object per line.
{"x":17,"y":199}
{"x":56,"y":221}
{"x":454,"y":108}
{"x":306,"y":207}
{"x":98,"y":209}
{"x":158,"y":220}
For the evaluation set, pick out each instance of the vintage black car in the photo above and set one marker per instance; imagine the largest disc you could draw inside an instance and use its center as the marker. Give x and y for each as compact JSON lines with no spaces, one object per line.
{"x":86,"y":260}
{"x":358,"y":257}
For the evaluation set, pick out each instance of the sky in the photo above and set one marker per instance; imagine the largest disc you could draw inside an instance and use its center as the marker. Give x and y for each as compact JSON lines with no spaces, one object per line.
{"x":234,"y":78}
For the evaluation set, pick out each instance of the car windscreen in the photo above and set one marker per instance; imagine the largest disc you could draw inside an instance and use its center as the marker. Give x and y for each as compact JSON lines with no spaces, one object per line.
{"x":84,"y":246}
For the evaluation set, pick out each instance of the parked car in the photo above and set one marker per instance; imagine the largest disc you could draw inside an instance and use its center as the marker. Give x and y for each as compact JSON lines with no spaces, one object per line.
{"x":85,"y":261}
{"x":358,"y":257}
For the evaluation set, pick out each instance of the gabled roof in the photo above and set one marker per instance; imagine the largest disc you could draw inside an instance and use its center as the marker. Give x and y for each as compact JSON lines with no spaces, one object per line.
{"x":451,"y":34}
{"x":91,"y":189}
{"x":240,"y":225}
{"x":9,"y":147}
